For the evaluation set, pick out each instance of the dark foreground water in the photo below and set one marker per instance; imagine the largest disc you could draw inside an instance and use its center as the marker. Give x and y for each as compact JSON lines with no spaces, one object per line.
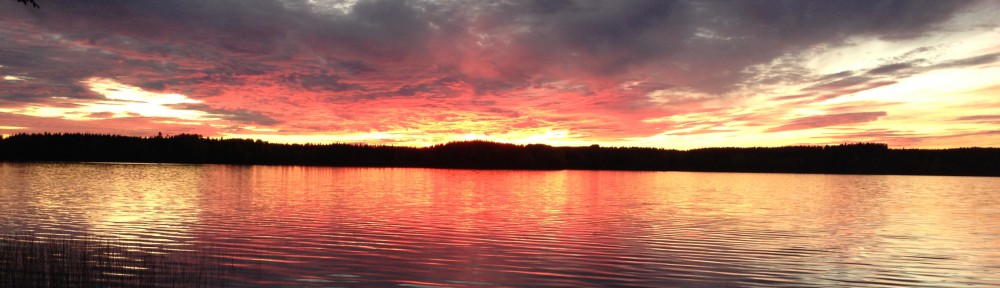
{"x":361,"y":227}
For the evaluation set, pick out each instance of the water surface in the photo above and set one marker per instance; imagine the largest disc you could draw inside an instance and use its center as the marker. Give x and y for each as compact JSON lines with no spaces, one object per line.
{"x":407,"y":227}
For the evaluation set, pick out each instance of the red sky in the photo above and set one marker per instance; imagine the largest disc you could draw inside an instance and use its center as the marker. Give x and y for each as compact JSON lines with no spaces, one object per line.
{"x":673,"y":74}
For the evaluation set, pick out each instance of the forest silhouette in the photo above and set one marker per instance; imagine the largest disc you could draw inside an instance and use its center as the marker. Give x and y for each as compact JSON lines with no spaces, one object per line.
{"x":858,"y":158}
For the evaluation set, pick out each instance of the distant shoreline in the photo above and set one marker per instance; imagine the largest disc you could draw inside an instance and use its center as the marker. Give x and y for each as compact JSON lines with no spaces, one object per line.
{"x":860,"y":158}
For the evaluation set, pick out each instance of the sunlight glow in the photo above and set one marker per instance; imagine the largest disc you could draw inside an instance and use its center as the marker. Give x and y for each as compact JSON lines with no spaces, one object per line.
{"x":127,"y":101}
{"x":121,"y":101}
{"x":117,"y":91}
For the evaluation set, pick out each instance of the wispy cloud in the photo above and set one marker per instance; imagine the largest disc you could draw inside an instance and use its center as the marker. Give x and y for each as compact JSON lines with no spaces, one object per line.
{"x":828,"y":120}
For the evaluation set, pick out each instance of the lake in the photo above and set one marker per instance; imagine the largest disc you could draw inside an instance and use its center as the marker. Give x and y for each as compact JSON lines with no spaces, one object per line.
{"x":411,"y":227}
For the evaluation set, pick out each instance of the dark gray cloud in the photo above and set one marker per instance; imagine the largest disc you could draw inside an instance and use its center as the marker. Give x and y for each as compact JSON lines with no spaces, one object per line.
{"x":353,"y":67}
{"x":493,"y":46}
{"x":838,"y":75}
{"x":51,"y":71}
{"x":245,"y":116}
{"x":812,"y":20}
{"x":762,"y":30}
{"x":319,"y":82}
{"x":12,"y":100}
{"x":236,"y":115}
{"x":890,"y":68}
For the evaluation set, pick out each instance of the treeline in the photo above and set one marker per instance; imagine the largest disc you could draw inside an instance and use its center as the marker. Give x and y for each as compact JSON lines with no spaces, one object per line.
{"x":861,"y":158}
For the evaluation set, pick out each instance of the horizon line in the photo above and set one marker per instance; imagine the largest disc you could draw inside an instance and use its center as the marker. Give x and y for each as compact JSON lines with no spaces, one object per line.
{"x":219,"y":138}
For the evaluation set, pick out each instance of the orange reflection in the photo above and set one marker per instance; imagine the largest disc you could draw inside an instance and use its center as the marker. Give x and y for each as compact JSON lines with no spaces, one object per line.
{"x":391,"y":226}
{"x":487,"y":226}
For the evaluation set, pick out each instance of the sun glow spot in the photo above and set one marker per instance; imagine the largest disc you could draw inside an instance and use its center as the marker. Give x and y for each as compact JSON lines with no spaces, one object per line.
{"x":258,"y":129}
{"x":471,"y":136}
{"x":121,"y":101}
{"x":117,"y":91}
{"x":806,"y":111}
{"x":126,"y":101}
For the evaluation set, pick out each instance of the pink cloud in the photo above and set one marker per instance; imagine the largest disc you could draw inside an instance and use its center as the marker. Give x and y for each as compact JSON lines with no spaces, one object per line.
{"x":828,"y":120}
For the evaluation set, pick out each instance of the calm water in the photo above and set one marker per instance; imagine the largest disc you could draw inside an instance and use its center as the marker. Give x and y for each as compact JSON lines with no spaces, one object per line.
{"x":330,"y":227}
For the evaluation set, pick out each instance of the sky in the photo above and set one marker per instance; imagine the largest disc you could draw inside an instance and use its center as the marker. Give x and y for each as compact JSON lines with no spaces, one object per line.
{"x":670,"y":74}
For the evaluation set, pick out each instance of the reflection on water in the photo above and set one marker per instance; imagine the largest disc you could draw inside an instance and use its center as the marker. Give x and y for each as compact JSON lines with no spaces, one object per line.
{"x":150,"y":204}
{"x":313,"y":226}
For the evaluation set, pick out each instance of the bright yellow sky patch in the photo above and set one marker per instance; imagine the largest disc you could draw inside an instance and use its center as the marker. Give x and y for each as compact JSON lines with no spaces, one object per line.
{"x":120,"y":101}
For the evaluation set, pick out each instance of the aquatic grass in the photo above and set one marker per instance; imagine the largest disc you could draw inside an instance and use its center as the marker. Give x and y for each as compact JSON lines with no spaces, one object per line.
{"x":32,"y":261}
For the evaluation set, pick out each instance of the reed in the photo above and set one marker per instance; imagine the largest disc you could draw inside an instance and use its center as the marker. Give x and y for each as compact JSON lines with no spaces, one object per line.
{"x":31,"y":261}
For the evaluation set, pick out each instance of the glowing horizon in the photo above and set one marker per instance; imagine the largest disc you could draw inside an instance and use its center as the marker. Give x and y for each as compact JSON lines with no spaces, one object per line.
{"x":669,"y":74}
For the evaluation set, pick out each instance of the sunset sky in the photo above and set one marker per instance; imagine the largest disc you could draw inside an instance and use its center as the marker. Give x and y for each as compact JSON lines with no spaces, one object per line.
{"x":671,"y":74}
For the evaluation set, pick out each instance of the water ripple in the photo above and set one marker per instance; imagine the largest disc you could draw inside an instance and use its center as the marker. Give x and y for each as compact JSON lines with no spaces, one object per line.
{"x":356,"y":227}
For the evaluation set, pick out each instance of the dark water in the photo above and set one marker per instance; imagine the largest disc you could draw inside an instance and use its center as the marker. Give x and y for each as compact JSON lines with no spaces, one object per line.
{"x":336,"y":227}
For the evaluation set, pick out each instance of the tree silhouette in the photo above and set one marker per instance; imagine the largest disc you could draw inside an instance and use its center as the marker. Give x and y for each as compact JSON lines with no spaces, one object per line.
{"x":32,"y":2}
{"x":858,"y":158}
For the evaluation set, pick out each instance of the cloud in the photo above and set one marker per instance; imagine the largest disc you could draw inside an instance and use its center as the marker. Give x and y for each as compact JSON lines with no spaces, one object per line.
{"x":845,"y":83}
{"x":890,"y":68}
{"x":971,"y":61}
{"x":236,"y":115}
{"x":995,"y":119}
{"x":319,"y":82}
{"x":491,"y":46}
{"x":595,"y":68}
{"x":828,"y":120}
